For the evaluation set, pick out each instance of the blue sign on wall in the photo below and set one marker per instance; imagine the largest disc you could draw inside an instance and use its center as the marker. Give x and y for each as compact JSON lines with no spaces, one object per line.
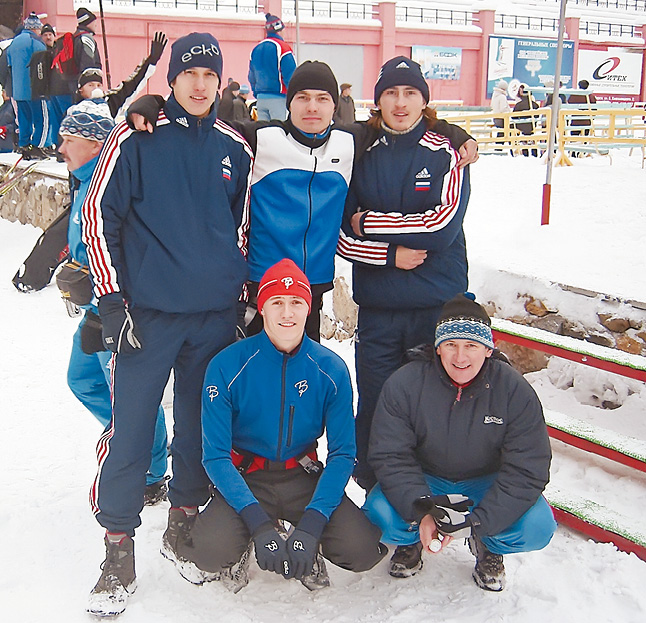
{"x":532,"y":61}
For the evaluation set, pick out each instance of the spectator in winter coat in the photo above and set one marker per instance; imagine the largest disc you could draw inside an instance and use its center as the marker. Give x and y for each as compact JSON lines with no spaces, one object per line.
{"x":86,"y":51}
{"x":271,"y":67}
{"x":402,"y":229}
{"x":225,"y":107}
{"x":241,"y":112}
{"x":33,"y":129}
{"x":167,"y":253}
{"x":8,"y":126}
{"x":526,"y":102}
{"x":266,"y":400}
{"x":301,"y":174}
{"x":581,"y":122}
{"x":460,"y":449}
{"x":83,"y":132}
{"x":345,"y":110}
{"x":499,"y":103}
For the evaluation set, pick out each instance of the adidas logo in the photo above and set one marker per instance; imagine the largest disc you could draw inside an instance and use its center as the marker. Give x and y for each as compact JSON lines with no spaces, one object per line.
{"x":182,"y":121}
{"x":423,"y":174}
{"x":403,"y":65}
{"x":226,"y":161}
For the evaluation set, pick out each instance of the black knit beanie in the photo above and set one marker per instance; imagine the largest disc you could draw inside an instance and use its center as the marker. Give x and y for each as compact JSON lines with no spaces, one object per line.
{"x":463,"y":319}
{"x":313,"y":75}
{"x":401,"y":71}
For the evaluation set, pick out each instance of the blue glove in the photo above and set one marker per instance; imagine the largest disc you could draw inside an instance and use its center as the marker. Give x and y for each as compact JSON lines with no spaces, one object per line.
{"x":302,"y":548}
{"x":118,"y":326}
{"x":271,"y":551}
{"x":450,"y":513}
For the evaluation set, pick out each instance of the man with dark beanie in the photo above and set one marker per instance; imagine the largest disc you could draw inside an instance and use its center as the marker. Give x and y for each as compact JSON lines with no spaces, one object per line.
{"x":460,"y":449}
{"x":301,"y":175}
{"x":266,"y":400}
{"x":165,"y":226}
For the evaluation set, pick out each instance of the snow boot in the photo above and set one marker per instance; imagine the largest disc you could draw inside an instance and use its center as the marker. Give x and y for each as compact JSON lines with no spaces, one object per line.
{"x":156,"y":492}
{"x":178,"y":532}
{"x":109,"y":597}
{"x":489,"y":572}
{"x":236,"y":577}
{"x":319,"y":577}
{"x":406,"y":561}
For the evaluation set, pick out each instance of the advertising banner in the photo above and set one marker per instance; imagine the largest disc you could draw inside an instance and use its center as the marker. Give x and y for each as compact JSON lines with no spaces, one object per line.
{"x":614,"y":75}
{"x":438,"y":63}
{"x":530,"y":61}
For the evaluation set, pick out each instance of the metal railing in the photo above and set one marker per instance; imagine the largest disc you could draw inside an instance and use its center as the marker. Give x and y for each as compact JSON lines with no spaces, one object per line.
{"x":231,"y":6}
{"x":425,"y":15}
{"x":525,"y":22}
{"x":622,"y":5}
{"x":614,"y":30}
{"x":329,"y":9}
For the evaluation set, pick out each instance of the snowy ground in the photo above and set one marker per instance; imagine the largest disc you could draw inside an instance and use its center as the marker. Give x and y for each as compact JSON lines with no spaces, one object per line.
{"x":53,"y":546}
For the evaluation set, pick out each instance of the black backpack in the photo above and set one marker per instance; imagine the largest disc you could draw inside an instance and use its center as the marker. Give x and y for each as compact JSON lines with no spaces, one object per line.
{"x":40,"y":67}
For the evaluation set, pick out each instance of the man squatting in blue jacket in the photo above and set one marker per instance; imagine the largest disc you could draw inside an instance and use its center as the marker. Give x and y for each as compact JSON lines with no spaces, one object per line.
{"x":302,"y":170}
{"x":266,"y":400}
{"x":165,"y":225}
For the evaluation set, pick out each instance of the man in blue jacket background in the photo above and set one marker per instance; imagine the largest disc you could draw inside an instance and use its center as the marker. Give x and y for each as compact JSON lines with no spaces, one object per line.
{"x":266,"y":401}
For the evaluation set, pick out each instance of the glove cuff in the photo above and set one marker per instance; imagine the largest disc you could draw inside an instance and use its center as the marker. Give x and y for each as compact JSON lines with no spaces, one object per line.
{"x":254,"y":517}
{"x":313,"y":522}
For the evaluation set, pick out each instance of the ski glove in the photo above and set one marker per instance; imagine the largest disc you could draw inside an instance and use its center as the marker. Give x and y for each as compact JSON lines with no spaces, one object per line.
{"x":271,"y":551}
{"x":302,"y":548}
{"x":450,"y":512}
{"x":118,"y":326}
{"x":157,"y":47}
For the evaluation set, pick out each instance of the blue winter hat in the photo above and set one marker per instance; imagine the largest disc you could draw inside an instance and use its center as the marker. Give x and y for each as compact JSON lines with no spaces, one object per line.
{"x":401,"y":71}
{"x":199,"y":49}
{"x":244,"y":88}
{"x":90,"y":119}
{"x":463,"y":319}
{"x":32,"y":22}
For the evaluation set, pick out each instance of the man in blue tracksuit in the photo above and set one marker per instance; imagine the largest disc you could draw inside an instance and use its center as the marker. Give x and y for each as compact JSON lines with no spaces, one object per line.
{"x":266,"y":400}
{"x":83,"y":132}
{"x":271,"y":66}
{"x":165,"y":225}
{"x":402,"y":229}
{"x":33,"y":126}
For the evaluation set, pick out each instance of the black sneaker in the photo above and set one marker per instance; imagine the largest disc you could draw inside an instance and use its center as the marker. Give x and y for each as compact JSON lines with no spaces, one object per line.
{"x":36,"y":153}
{"x":179,"y":532}
{"x":109,"y":597}
{"x":489,"y":572}
{"x":156,"y":492}
{"x":406,"y":561}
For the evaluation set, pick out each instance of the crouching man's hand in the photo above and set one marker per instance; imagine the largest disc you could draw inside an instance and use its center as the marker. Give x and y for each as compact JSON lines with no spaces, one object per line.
{"x":118,"y":325}
{"x":271,"y":551}
{"x":449,"y":512}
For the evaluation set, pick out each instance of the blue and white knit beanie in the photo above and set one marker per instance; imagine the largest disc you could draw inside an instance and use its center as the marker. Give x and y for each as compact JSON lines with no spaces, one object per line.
{"x":463,"y":319}
{"x":401,"y":72}
{"x":32,"y":22}
{"x":90,"y":119}
{"x":199,"y":49}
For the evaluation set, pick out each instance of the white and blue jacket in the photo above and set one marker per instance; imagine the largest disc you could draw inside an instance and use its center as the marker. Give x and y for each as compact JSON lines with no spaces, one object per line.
{"x":276,"y":405}
{"x":414,"y":195}
{"x":166,"y":216}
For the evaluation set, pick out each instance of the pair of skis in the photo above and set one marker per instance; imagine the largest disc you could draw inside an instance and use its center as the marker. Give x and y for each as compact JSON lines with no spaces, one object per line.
{"x":12,"y":176}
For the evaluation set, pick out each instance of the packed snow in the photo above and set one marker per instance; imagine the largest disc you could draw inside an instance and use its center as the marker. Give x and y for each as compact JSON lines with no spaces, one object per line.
{"x":53,"y":546}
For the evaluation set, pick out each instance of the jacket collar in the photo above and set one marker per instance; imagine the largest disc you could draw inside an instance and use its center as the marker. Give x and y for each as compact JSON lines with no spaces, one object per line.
{"x":84,"y":172}
{"x":277,"y":356}
{"x":177,"y":115}
{"x":309,"y":140}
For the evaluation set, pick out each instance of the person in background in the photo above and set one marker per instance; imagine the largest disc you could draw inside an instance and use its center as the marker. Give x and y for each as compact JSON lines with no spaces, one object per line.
{"x":580,"y":123}
{"x":402,"y":230}
{"x":266,"y":400}
{"x":460,"y":449}
{"x":271,"y":67}
{"x":225,"y":107}
{"x":549,"y":98}
{"x":8,"y":125}
{"x":241,"y":111}
{"x":526,"y":125}
{"x":500,"y":104}
{"x":33,"y":128}
{"x":167,"y":254}
{"x":86,"y":50}
{"x":345,"y":110}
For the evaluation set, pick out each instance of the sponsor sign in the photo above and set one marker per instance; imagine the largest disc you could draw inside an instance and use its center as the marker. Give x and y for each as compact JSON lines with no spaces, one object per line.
{"x":613,"y":75}
{"x":438,"y":63}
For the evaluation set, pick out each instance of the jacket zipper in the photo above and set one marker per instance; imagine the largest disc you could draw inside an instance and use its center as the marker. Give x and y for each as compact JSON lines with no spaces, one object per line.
{"x":309,"y":219}
{"x":290,"y":425}
{"x":282,"y":407}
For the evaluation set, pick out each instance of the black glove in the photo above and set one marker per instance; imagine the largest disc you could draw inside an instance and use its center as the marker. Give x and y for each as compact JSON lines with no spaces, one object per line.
{"x":148,"y":106}
{"x":302,"y":548}
{"x":271,"y":550}
{"x":118,"y":326}
{"x":157,"y":47}
{"x":450,"y":512}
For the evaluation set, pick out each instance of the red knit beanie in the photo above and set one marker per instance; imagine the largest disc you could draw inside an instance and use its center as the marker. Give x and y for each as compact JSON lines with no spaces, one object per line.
{"x":284,"y":279}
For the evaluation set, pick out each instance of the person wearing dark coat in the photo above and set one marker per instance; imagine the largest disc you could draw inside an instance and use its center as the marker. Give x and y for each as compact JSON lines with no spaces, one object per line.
{"x":460,"y":449}
{"x":525,"y":102}
{"x":345,"y":110}
{"x":225,"y":107}
{"x":583,"y":99}
{"x":8,"y":125}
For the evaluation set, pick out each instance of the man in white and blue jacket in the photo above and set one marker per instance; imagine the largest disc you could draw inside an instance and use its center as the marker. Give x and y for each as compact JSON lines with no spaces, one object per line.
{"x":165,"y":225}
{"x":266,"y":400}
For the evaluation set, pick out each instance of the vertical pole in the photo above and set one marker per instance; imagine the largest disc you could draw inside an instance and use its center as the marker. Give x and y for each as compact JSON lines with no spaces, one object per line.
{"x":298,"y":34}
{"x":105,"y":47}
